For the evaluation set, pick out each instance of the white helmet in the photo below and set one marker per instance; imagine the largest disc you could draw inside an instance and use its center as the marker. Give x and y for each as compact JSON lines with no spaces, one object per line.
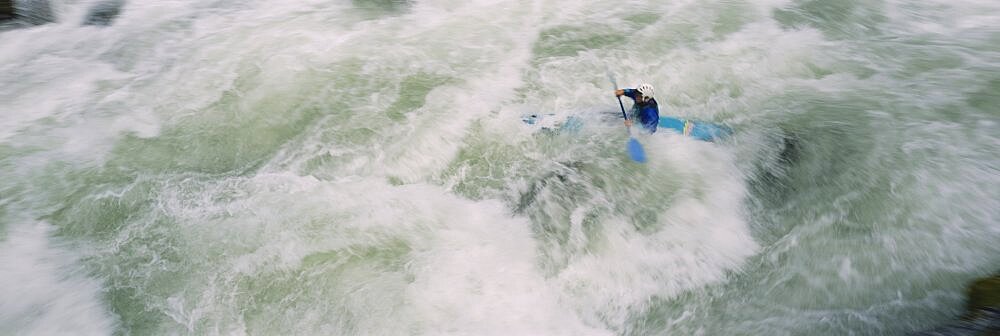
{"x":646,"y":90}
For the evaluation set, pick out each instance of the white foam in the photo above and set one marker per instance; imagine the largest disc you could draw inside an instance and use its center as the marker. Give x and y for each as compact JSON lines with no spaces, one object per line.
{"x":704,"y":234}
{"x":44,"y":291}
{"x":434,"y":135}
{"x":473,"y":267}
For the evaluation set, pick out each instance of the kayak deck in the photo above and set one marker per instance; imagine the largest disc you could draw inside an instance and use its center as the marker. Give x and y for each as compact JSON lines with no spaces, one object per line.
{"x":696,"y":129}
{"x":700,"y":130}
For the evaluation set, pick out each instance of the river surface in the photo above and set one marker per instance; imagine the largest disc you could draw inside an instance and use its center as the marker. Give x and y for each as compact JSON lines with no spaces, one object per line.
{"x":334,"y":167}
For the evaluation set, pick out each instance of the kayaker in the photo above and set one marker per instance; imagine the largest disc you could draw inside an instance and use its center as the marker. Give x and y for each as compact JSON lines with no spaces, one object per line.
{"x":645,"y":108}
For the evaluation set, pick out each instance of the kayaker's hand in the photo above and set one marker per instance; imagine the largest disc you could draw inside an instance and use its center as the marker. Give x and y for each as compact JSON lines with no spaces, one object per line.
{"x":619,"y":93}
{"x":628,"y":122}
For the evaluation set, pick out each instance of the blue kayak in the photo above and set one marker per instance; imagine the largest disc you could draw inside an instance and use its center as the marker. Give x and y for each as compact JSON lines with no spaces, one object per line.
{"x":700,"y":130}
{"x":696,"y":129}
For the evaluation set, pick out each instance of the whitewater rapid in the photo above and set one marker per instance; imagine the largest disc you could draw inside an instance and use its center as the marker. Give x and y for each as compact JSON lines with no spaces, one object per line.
{"x":360,"y":168}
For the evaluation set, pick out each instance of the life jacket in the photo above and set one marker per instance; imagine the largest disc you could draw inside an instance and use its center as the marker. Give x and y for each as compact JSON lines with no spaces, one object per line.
{"x":647,"y":112}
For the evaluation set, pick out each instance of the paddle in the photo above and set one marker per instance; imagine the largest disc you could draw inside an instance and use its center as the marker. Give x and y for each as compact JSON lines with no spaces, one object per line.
{"x":635,"y":150}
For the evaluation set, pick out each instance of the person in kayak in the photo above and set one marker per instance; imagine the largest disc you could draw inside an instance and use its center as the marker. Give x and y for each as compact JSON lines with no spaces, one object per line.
{"x":645,"y":108}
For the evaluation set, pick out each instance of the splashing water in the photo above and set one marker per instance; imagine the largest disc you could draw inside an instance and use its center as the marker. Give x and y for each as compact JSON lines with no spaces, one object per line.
{"x":359,"y":167}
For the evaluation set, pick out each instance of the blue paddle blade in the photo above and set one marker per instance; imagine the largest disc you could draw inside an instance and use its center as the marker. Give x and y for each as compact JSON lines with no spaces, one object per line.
{"x":635,"y":151}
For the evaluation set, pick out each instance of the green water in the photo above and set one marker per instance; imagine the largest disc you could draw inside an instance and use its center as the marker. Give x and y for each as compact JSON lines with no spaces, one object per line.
{"x":360,"y":168}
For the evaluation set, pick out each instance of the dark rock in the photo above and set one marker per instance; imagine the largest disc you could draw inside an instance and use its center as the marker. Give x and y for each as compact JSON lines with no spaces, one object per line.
{"x":984,"y":294}
{"x":104,"y":13}
{"x":792,"y":150}
{"x":6,"y":10}
{"x":33,"y":12}
{"x":982,"y":315}
{"x":560,"y":175}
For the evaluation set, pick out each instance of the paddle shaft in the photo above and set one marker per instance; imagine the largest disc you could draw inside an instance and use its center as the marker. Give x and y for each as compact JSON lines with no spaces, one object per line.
{"x":624,"y":115}
{"x":635,"y":151}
